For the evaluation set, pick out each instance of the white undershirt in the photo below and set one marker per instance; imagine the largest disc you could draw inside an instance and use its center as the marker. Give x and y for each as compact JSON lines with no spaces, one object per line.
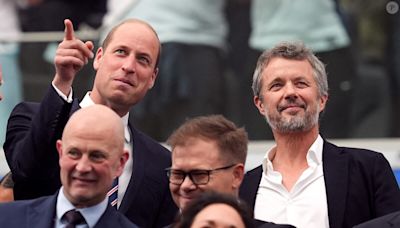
{"x":305,"y":206}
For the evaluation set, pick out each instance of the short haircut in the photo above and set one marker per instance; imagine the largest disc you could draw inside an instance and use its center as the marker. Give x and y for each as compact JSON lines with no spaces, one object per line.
{"x":110,"y":34}
{"x":291,"y":51}
{"x":231,"y":140}
{"x":185,"y":220}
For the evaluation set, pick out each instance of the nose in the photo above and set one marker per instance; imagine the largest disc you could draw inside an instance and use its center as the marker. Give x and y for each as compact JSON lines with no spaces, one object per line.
{"x":83,"y":165}
{"x":188,"y":183}
{"x":290,"y":91}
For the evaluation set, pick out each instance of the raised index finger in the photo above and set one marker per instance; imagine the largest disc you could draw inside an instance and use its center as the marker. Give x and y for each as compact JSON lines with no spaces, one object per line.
{"x":69,"y":30}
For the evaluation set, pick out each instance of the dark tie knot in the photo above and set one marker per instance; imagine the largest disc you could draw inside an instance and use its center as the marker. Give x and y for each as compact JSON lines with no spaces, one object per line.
{"x":74,"y":217}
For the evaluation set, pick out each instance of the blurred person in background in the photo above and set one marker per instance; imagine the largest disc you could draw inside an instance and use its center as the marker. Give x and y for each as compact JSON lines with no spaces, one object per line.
{"x":1,"y":83}
{"x":48,"y":16}
{"x":9,"y":51}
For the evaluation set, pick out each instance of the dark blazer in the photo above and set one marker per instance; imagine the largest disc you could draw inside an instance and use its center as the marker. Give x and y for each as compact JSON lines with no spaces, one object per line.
{"x":391,"y":220}
{"x":30,"y":151}
{"x":359,"y":183}
{"x":262,"y":224}
{"x":42,"y":211}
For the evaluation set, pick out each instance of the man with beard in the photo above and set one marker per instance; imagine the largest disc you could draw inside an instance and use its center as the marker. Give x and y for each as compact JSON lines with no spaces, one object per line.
{"x":304,"y":180}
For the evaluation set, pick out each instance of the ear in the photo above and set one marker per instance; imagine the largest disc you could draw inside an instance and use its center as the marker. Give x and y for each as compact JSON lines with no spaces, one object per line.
{"x":259,"y":104}
{"x":322,"y":103}
{"x":153,"y":77}
{"x":59,"y":148}
{"x":238,"y":175}
{"x":96,"y":60}
{"x":121,"y":163}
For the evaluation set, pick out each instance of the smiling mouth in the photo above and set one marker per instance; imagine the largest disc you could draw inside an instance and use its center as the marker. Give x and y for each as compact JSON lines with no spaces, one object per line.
{"x":290,"y":107}
{"x":82,"y":180}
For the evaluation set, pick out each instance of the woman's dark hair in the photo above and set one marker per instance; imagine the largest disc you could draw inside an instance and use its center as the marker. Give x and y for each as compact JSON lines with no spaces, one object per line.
{"x":188,"y":215}
{"x":7,"y":181}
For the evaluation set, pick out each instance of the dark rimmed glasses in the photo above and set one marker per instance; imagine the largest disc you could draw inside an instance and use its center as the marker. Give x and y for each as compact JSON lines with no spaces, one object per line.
{"x":197,"y":176}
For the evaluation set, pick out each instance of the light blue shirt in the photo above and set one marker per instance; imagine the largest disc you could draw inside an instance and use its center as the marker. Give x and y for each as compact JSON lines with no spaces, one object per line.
{"x":314,"y":22}
{"x":200,"y":22}
{"x":91,"y":214}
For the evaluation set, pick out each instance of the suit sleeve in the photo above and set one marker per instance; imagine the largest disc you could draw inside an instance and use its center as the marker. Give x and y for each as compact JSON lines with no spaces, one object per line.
{"x":387,"y":193}
{"x":32,"y":131}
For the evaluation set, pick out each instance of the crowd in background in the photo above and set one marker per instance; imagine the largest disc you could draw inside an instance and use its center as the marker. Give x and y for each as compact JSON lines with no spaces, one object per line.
{"x":210,"y":49}
{"x":203,"y":56}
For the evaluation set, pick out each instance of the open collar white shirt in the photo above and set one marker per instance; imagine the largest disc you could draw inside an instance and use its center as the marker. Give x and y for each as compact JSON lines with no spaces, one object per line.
{"x":305,"y":206}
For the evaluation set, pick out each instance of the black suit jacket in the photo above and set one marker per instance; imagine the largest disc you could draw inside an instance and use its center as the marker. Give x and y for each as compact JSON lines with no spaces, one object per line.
{"x":41,"y":212}
{"x":263,"y":224}
{"x":30,"y":151}
{"x":391,"y":220}
{"x":359,"y":183}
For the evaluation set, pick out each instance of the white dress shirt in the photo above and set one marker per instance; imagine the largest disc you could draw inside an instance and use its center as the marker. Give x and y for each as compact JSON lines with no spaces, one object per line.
{"x":91,"y":214}
{"x":305,"y":206}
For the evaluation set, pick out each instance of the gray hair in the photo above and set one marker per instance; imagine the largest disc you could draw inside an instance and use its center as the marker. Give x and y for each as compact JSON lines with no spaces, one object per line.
{"x":293,"y":51}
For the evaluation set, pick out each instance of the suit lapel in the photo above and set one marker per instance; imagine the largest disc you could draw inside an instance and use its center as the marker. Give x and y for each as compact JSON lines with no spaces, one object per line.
{"x":138,"y":151}
{"x":75,"y":106}
{"x":249,"y":187}
{"x":40,"y":213}
{"x":108,"y":218}
{"x":394,"y":221}
{"x":336,"y":169}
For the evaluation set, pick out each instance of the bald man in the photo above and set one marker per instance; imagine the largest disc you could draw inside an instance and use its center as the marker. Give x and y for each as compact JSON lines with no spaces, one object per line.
{"x":91,"y":155}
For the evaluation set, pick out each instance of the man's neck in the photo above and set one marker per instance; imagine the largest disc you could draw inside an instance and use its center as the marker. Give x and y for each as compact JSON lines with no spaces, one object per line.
{"x":290,"y":157}
{"x":295,"y":145}
{"x":96,"y":99}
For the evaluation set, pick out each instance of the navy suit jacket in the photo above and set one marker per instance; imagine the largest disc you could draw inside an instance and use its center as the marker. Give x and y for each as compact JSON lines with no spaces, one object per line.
{"x":359,"y":183}
{"x":41,"y":213}
{"x":30,"y":151}
{"x":391,"y":220}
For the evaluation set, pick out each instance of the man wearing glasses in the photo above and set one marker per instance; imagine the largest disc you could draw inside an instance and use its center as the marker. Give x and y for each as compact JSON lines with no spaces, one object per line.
{"x":208,"y":154}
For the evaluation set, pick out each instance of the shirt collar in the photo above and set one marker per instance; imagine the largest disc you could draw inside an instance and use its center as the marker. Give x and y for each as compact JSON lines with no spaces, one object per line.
{"x":87,"y":101}
{"x":91,"y":214}
{"x":314,"y":155}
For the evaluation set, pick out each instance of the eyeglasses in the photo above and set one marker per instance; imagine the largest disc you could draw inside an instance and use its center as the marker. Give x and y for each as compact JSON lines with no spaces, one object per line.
{"x":197,"y":176}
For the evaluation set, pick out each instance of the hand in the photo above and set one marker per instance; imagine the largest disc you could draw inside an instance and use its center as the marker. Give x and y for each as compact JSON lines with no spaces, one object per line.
{"x":71,"y":55}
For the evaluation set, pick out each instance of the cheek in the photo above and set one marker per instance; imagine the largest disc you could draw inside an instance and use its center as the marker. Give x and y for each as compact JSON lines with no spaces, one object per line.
{"x":174,"y":188}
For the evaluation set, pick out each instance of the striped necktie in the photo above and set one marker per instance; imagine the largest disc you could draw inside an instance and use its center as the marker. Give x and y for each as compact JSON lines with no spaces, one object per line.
{"x":113,"y":194}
